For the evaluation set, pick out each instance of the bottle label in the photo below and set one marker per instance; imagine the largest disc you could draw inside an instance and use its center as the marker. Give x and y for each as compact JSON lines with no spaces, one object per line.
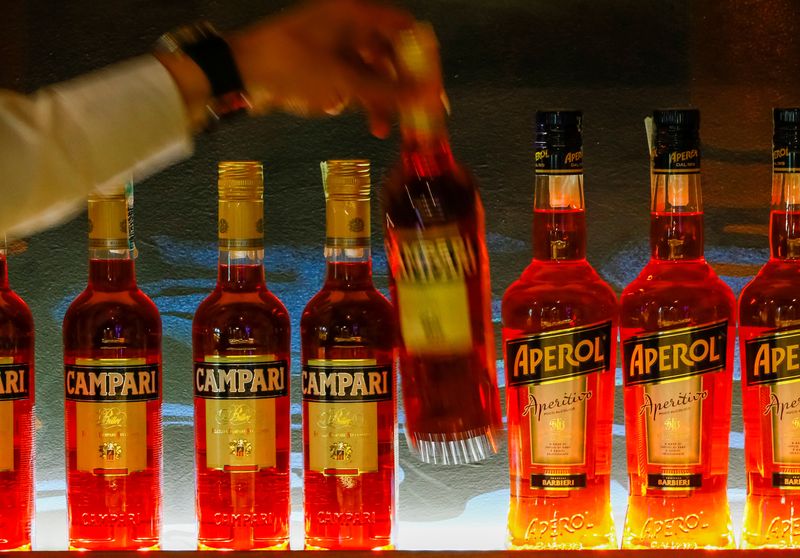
{"x":785,"y":159}
{"x":241,"y":224}
{"x":342,"y":398}
{"x":239,"y":395}
{"x":432,"y":296}
{"x":773,"y":363}
{"x":549,"y":160}
{"x":667,"y":160}
{"x":111,"y":398}
{"x":553,"y":367}
{"x":14,"y":385}
{"x":668,"y":366}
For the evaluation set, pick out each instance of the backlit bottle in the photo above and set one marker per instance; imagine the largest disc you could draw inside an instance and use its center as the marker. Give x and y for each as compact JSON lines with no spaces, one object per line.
{"x":439,"y":279}
{"x":16,"y":415}
{"x":113,"y":382}
{"x":559,"y":335}
{"x":348,"y":382}
{"x":677,"y":330}
{"x":769,"y":345}
{"x":241,"y":349}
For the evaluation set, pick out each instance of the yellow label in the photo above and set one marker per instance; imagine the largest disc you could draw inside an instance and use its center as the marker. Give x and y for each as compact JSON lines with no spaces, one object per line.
{"x":673,"y":413}
{"x":6,"y":435}
{"x":240,"y":434}
{"x":239,"y":394}
{"x":6,"y":429}
{"x":785,"y":413}
{"x":343,"y":435}
{"x":557,"y":418}
{"x":112,"y":438}
{"x":111,"y":435}
{"x":241,"y":224}
{"x":347,"y":222}
{"x":434,"y":318}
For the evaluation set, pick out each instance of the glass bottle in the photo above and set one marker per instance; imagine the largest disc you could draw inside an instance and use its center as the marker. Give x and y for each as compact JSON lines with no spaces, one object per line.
{"x":241,"y":348}
{"x":677,"y":331}
{"x":16,"y":415}
{"x":112,"y":380}
{"x":769,"y":345}
{"x":349,"y":356}
{"x":559,"y":335}
{"x":439,"y":281}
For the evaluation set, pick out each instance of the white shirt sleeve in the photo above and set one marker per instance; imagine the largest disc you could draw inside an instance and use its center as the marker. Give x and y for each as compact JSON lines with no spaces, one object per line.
{"x":94,"y":132}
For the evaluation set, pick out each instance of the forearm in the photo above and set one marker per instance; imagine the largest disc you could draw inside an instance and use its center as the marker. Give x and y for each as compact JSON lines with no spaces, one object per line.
{"x":128,"y":120}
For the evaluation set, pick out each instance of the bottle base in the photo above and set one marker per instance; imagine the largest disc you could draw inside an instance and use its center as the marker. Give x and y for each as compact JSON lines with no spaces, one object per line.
{"x":339,"y":546}
{"x":226,"y":546}
{"x":104,"y":546}
{"x":770,"y":522}
{"x":453,"y":448}
{"x":22,"y":548}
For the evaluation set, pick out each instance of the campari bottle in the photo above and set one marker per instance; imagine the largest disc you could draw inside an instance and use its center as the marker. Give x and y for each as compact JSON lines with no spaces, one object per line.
{"x":16,"y":415}
{"x":559,"y":335}
{"x":349,"y":359}
{"x":677,"y":330}
{"x":439,"y":280}
{"x":112,"y":382}
{"x":769,"y":345}
{"x":241,"y":348}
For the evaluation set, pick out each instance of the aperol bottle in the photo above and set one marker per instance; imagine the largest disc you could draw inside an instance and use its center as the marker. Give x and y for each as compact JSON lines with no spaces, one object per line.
{"x":559,"y":335}
{"x":241,"y":347}
{"x":349,"y":358}
{"x":769,"y":337}
{"x":16,"y":415}
{"x":439,"y":280}
{"x":677,"y":329}
{"x":112,"y":381}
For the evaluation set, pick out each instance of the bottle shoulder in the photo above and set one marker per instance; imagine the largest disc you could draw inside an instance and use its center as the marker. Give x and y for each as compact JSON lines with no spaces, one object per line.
{"x":551,"y":295}
{"x":14,"y":310}
{"x":347,"y":306}
{"x":675,"y":294}
{"x":129,"y":304}
{"x":221,"y":308}
{"x":772,"y":298}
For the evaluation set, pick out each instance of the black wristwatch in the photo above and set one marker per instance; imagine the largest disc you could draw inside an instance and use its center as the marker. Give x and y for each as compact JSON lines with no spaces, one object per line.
{"x":206,"y":47}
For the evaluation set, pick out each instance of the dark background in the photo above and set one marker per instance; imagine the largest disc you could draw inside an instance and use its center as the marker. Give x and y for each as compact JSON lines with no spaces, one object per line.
{"x":502,"y":61}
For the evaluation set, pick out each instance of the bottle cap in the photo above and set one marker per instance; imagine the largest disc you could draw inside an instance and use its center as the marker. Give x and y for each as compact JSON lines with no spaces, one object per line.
{"x":347,"y":179}
{"x":677,"y":120}
{"x":559,"y":143}
{"x":241,"y":180}
{"x":786,"y":140}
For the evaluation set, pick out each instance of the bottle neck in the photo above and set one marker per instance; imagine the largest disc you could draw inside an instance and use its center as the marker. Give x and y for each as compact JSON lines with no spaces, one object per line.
{"x":111,"y":249}
{"x":559,"y":218}
{"x":347,"y":243}
{"x":676,"y":218}
{"x":426,"y":145}
{"x":241,"y":244}
{"x":784,"y":223}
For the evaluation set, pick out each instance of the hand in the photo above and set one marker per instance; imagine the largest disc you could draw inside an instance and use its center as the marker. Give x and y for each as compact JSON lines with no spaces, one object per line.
{"x":321,"y":57}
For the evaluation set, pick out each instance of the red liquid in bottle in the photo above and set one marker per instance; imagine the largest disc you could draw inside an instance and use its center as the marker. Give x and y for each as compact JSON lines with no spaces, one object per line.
{"x":559,"y":337}
{"x":350,"y":324}
{"x":677,"y":433}
{"x":769,"y":316}
{"x":16,"y":417}
{"x":241,"y":348}
{"x":439,"y":280}
{"x":112,"y":334}
{"x":242,"y":326}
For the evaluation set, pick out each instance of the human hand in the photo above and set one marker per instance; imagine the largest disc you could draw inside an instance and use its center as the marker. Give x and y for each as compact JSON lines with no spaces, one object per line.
{"x":324,"y":56}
